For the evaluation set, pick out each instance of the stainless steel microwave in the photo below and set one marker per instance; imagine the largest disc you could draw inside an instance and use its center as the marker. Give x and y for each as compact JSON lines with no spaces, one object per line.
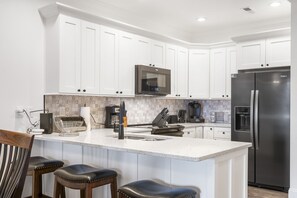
{"x":152,"y":80}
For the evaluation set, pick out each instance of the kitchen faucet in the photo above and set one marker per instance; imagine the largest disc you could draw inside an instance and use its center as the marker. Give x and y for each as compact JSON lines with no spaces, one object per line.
{"x":121,"y":120}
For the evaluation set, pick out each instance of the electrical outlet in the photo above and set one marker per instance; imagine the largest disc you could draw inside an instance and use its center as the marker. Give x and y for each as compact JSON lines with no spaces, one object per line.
{"x":19,"y":109}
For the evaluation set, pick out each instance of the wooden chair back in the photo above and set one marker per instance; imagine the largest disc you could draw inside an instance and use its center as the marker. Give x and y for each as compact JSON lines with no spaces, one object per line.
{"x":15,"y":150}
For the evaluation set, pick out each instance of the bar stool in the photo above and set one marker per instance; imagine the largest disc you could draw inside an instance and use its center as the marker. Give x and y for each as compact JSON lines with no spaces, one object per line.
{"x":84,"y":178}
{"x":37,"y":167}
{"x":148,"y":188}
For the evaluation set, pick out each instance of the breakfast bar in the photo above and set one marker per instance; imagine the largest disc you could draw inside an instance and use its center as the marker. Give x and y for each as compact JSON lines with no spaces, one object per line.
{"x":213,"y":168}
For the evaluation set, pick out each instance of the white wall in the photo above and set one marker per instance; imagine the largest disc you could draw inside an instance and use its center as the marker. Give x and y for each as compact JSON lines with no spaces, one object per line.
{"x":293,"y":175}
{"x":21,"y":59}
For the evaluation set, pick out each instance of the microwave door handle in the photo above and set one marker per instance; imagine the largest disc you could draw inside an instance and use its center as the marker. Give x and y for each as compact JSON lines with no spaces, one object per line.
{"x":252,"y":102}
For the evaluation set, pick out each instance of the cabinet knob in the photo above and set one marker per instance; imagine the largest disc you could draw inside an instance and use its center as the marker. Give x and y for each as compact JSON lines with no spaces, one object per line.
{"x":150,"y":64}
{"x":223,"y":132}
{"x":121,"y":92}
{"x":267,"y":65}
{"x":190,"y":96}
{"x":227,"y":96}
{"x":153,"y":65}
{"x":78,"y":90}
{"x":223,"y":96}
{"x":210,"y":128}
{"x":117,"y":92}
{"x":84,"y":90}
{"x":262,"y":65}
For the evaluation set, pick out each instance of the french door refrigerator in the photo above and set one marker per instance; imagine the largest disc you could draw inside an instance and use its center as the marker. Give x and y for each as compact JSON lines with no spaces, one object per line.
{"x":261,"y":115}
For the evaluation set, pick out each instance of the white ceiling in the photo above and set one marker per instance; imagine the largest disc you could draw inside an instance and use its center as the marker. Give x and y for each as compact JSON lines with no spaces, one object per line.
{"x":224,"y":17}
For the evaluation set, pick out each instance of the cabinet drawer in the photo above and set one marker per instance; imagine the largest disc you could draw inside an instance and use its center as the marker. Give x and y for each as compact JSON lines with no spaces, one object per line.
{"x":190,"y":132}
{"x":222,"y":133}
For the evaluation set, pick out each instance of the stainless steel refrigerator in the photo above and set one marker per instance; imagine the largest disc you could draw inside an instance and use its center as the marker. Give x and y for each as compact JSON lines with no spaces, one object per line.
{"x":261,"y":115}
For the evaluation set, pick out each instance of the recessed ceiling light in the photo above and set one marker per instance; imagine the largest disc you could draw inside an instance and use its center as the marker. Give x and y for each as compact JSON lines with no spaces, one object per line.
{"x":275,"y":4}
{"x":201,"y":19}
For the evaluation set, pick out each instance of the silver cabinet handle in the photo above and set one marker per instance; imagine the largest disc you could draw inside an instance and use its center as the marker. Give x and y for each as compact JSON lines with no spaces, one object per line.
{"x":252,"y":118}
{"x":257,"y":119}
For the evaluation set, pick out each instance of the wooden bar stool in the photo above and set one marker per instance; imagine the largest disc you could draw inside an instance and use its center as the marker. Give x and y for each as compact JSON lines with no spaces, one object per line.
{"x":37,"y":167}
{"x":151,"y":189}
{"x":84,"y":178}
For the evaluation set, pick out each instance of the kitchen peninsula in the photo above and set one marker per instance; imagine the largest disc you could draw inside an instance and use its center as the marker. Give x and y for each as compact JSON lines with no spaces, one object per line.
{"x":215,"y":169}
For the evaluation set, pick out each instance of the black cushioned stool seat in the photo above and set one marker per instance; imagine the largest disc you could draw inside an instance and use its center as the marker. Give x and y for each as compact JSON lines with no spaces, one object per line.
{"x":37,"y":167}
{"x":151,"y":189}
{"x":84,"y":178}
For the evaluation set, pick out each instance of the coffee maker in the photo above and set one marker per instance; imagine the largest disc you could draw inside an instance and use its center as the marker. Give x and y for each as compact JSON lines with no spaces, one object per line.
{"x":112,"y":116}
{"x":194,"y":112}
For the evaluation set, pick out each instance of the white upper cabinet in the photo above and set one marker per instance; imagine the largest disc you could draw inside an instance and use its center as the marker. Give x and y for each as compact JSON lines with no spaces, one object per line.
{"x":230,"y":68}
{"x":182,"y":72}
{"x":108,"y":61}
{"x":150,"y":52}
{"x":278,"y":52}
{"x":126,"y":75}
{"x":217,"y":73}
{"x":90,"y":57}
{"x":117,"y":62}
{"x":171,"y":63}
{"x":199,"y":74}
{"x":274,"y":52}
{"x":70,"y":54}
{"x":222,"y":65}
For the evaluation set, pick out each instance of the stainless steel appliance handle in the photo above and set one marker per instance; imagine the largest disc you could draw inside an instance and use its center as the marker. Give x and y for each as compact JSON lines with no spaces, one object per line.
{"x":252,"y":118}
{"x":257,"y":119}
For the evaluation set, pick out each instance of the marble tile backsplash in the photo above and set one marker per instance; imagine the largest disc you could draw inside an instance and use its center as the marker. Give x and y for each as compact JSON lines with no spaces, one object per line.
{"x":139,"y":109}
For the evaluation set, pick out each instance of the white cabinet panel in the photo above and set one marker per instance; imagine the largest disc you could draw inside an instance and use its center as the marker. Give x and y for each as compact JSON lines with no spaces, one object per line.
{"x":126,"y":76}
{"x":218,"y":73}
{"x":171,"y":63}
{"x":70,"y":54}
{"x":222,"y":133}
{"x":199,"y":132}
{"x":108,"y":61}
{"x":143,"y":46}
{"x":190,"y":132}
{"x":182,"y":72}
{"x":158,"y":54}
{"x":199,"y":74}
{"x":208,"y":132}
{"x":230,"y":69}
{"x":278,"y":52}
{"x":90,"y":58}
{"x":251,"y":55}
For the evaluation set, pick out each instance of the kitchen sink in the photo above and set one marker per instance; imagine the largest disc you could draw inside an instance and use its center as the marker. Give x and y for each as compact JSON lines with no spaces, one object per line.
{"x":143,"y":138}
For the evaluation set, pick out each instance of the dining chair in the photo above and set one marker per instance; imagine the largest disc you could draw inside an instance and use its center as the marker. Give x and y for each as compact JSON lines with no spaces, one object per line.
{"x":15,"y":150}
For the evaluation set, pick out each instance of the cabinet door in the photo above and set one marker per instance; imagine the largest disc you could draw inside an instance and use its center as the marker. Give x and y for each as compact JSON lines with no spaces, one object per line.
{"x":189,"y":132}
{"x":90,"y":64}
{"x":158,"y":54}
{"x":199,"y":74}
{"x":182,"y":72}
{"x":143,"y":46}
{"x":108,"y":61}
{"x":251,"y":55}
{"x":222,"y":134}
{"x":199,"y":132}
{"x":207,"y":132}
{"x":230,"y":69}
{"x":70,"y":54}
{"x":171,"y":63}
{"x":218,"y":73}
{"x":278,"y":52}
{"x":127,"y":44}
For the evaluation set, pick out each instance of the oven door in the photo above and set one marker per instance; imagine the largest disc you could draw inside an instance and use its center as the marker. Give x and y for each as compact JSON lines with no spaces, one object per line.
{"x":152,"y":80}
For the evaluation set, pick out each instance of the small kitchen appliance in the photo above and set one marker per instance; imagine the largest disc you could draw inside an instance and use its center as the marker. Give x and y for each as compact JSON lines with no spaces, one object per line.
{"x":112,"y":116}
{"x":46,"y":122}
{"x":194,"y":112}
{"x":182,"y":116}
{"x":150,"y":80}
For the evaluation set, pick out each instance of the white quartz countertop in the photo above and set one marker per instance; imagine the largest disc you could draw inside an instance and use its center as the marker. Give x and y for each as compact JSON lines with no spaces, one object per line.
{"x":191,"y":149}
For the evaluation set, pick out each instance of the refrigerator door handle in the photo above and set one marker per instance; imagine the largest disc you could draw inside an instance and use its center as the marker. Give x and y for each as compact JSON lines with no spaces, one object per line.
{"x":252,"y":118}
{"x":257,"y":119}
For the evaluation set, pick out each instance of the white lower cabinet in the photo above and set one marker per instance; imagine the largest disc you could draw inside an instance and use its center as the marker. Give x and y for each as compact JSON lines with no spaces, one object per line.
{"x":190,"y":132}
{"x":222,"y":134}
{"x":208,"y":132}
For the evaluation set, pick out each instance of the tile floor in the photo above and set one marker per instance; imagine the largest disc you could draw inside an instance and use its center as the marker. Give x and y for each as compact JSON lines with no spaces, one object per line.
{"x":264,"y":193}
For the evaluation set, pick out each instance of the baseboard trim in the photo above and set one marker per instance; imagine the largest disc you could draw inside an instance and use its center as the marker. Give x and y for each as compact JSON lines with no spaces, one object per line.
{"x":292,"y":193}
